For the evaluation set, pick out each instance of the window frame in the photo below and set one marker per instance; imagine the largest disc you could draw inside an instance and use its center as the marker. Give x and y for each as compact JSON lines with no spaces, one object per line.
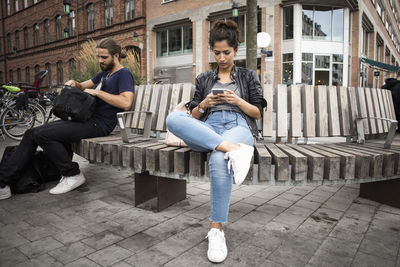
{"x":36,"y":30}
{"x":108,"y":13}
{"x":59,"y":34}
{"x":26,"y":37}
{"x":17,"y":42}
{"x":60,"y":72}
{"x":182,"y":50}
{"x":46,"y":31}
{"x":90,"y":17}
{"x":27,"y":75}
{"x":130,"y":10}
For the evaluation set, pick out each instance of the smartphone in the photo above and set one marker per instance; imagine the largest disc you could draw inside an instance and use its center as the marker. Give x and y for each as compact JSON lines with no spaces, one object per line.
{"x":216,"y":91}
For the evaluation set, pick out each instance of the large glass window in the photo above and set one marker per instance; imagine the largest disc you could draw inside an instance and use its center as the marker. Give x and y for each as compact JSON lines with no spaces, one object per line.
{"x":36,"y":34}
{"x":288,"y":23}
{"x":322,"y":69}
{"x":8,"y":9}
{"x":337,"y":70}
{"x":287,"y":68}
{"x":48,"y":68}
{"x":71,"y":23}
{"x":19,"y":75}
{"x":90,"y":10}
{"x":9,"y":45}
{"x":307,"y":68}
{"x":129,"y":9}
{"x":17,"y":39}
{"x":26,"y":37}
{"x":175,"y":41}
{"x":58,"y":28}
{"x":108,"y":12}
{"x":60,"y":76}
{"x":25,"y":3}
{"x":380,"y":9}
{"x":323,"y":23}
{"x":27,"y":75}
{"x":46,"y":31}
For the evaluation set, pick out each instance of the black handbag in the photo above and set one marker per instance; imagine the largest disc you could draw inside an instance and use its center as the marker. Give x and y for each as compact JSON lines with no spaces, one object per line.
{"x":74,"y":105}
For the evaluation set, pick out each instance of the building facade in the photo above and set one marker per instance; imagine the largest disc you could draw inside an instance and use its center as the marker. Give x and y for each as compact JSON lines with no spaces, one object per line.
{"x":326,"y":42}
{"x":33,"y":35}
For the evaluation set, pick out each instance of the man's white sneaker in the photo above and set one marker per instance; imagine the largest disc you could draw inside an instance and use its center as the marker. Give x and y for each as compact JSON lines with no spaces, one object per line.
{"x":217,"y":250}
{"x":240,"y":160}
{"x":5,"y":192}
{"x":68,"y":183}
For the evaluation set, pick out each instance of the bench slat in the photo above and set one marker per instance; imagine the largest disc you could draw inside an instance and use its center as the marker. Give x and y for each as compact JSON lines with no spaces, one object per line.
{"x":308,"y":111}
{"x":155,"y":104}
{"x":382,"y":109}
{"x":331,"y":164}
{"x":344,"y":111}
{"x":268,"y":112}
{"x":153,"y":157}
{"x":167,"y":158}
{"x":281,"y":111}
{"x":139,"y":154}
{"x":295,"y":110}
{"x":186,"y":92}
{"x":322,"y":110}
{"x":264,"y":162}
{"x":376,"y":162}
{"x":363,"y":108}
{"x":147,"y":95}
{"x":333,"y":112}
{"x":375,"y":101}
{"x":196,"y":163}
{"x":370,"y":111}
{"x":353,"y":109}
{"x":164,"y":106}
{"x":138,"y":106}
{"x":281,"y":162}
{"x":181,"y":160}
{"x":298,"y":162}
{"x":315,"y":163}
{"x":396,"y":152}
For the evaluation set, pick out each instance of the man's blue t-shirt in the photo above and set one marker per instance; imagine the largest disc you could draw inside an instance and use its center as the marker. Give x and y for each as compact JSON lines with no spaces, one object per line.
{"x":116,"y":83}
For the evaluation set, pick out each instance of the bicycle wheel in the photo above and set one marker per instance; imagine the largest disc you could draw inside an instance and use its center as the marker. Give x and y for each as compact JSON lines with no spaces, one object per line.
{"x":15,"y":122}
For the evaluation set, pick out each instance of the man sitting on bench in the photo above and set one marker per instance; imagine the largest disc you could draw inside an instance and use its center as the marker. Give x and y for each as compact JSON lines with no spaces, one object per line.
{"x":115,"y":94}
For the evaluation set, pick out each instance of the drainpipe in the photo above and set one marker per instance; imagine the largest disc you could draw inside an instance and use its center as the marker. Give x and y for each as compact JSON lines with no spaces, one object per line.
{"x":4,"y":39}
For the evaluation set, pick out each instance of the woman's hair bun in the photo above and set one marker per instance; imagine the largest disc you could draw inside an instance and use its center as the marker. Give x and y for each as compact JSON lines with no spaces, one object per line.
{"x":225,"y":30}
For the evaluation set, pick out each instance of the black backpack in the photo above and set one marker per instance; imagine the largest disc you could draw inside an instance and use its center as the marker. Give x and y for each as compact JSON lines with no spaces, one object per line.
{"x":74,"y":104}
{"x":33,"y":178}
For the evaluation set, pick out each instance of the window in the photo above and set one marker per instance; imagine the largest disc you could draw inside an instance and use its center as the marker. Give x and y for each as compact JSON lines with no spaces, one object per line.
{"x":60,"y":77}
{"x":16,"y":7}
{"x":175,"y":41}
{"x":58,"y":28}
{"x":19,"y":77}
{"x":71,"y":23}
{"x":365,"y":41}
{"x":27,"y":75}
{"x":337,"y":70}
{"x":108,"y":12}
{"x":11,"y":77}
{"x":8,"y":7}
{"x":26,"y":38}
{"x":17,"y":39}
{"x":322,"y":69}
{"x":48,"y":68}
{"x":288,"y":23}
{"x":323,"y":23}
{"x":90,"y":10}
{"x":25,"y":3}
{"x":36,"y":34}
{"x":9,"y":45}
{"x":380,"y":9}
{"x":287,"y":68}
{"x":46,"y":31}
{"x":35,"y":1}
{"x":129,"y":9}
{"x":37,"y":69}
{"x":307,"y":68}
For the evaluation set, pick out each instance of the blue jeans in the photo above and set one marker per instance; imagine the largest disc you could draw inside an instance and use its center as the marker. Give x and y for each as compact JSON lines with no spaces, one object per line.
{"x":206,"y":136}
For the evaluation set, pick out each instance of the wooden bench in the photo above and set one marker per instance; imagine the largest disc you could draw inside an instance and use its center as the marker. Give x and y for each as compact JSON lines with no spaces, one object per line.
{"x":300,"y":127}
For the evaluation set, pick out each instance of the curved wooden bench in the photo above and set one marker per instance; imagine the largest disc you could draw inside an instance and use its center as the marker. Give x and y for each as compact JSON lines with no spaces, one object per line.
{"x":297,"y":149}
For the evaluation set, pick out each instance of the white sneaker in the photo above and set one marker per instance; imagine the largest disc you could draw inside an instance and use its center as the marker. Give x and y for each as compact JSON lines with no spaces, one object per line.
{"x":240,"y":160}
{"x":68,"y":183}
{"x":5,"y":192}
{"x":217,"y":250}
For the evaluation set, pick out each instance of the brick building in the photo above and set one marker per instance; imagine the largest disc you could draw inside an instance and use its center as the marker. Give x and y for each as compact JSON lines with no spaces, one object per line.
{"x":32,"y":34}
{"x":327,"y":42}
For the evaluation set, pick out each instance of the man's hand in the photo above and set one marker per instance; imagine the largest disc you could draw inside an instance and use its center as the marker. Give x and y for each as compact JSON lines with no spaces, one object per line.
{"x":72,"y":83}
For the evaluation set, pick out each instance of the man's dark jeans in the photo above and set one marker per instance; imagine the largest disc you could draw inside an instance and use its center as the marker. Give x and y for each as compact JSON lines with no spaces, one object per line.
{"x":55,"y":139}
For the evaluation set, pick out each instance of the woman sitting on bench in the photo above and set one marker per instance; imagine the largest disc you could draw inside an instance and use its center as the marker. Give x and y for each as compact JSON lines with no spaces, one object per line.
{"x":226,"y":103}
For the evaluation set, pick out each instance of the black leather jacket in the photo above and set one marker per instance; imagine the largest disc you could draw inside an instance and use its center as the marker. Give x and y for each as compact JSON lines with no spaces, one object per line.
{"x":248,"y":83}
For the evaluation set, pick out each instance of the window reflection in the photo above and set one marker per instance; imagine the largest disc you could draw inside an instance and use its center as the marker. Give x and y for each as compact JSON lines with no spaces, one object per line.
{"x":288,"y":23}
{"x":337,"y":24}
{"x":308,"y":18}
{"x":287,"y":68}
{"x":323,"y":23}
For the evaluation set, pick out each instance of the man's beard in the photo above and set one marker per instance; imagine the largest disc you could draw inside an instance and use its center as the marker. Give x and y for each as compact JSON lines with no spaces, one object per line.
{"x":107,"y":67}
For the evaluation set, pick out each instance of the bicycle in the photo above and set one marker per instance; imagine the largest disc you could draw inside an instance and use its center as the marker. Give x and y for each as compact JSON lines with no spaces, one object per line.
{"x":17,"y":114}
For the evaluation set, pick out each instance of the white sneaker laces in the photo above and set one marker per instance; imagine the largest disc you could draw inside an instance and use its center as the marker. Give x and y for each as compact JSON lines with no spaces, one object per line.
{"x":216,"y":238}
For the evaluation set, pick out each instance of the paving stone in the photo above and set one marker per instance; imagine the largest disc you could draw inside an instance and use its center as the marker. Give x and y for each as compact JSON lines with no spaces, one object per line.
{"x":71,"y":252}
{"x":270,"y":209}
{"x":121,"y":264}
{"x":387,"y":216}
{"x":317,"y":197}
{"x":307,"y":204}
{"x":39,"y":247}
{"x":200,"y":198}
{"x":72,"y":235}
{"x":339,"y":247}
{"x":327,"y":214}
{"x":325,"y":258}
{"x":174,"y":246}
{"x":151,"y":257}
{"x":246,"y":255}
{"x":82,"y":262}
{"x":330,"y":188}
{"x":270,"y":263}
{"x":11,"y":241}
{"x":256,"y":201}
{"x":389,"y":209}
{"x":315,"y":229}
{"x":11,"y":229}
{"x":290,"y":218}
{"x":301,"y":190}
{"x":197,"y":255}
{"x":379,"y":248}
{"x":265,"y":195}
{"x":337,"y":204}
{"x":365,"y":201}
{"x":258,"y":217}
{"x":346,"y":235}
{"x":368,"y":260}
{"x":101,"y":226}
{"x":361,"y":212}
{"x":44,"y":260}
{"x":138,"y":242}
{"x":102,"y":240}
{"x":291,"y":196}
{"x":37,"y":232}
{"x":110,"y":255}
{"x":200,"y":212}
{"x":238,"y":210}
{"x":281,"y":202}
{"x":11,"y":257}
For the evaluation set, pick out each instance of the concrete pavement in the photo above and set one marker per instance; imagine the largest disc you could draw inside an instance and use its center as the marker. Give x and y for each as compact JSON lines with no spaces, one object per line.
{"x":98,"y":225}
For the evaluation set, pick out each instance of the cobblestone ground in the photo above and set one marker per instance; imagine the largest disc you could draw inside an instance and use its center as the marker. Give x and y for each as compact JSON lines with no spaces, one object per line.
{"x":98,"y":225}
